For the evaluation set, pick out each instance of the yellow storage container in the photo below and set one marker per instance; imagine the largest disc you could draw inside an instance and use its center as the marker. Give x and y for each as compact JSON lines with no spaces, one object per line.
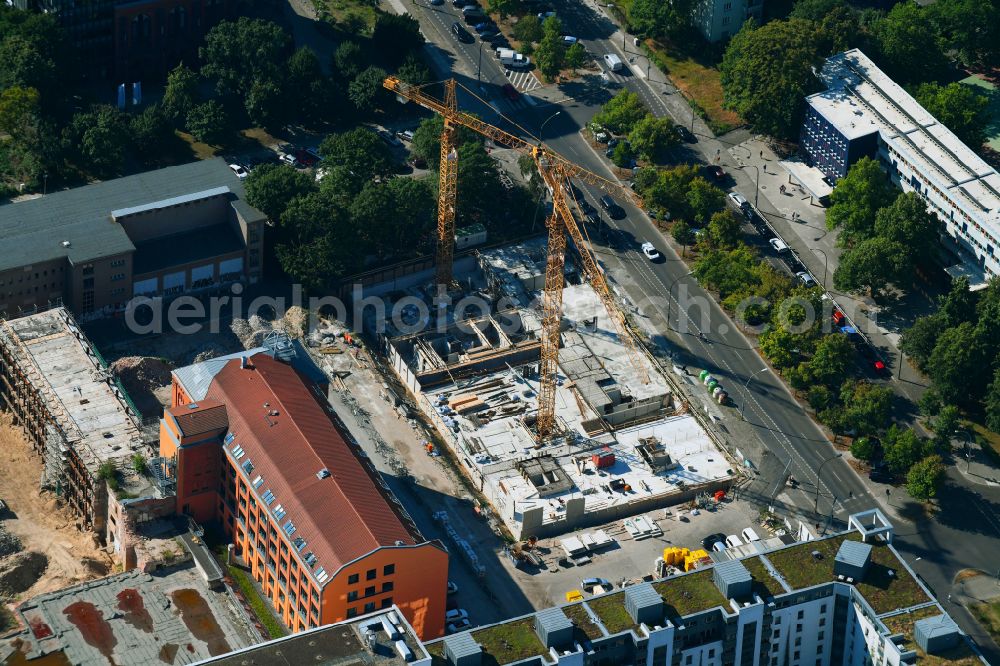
{"x":574,"y":595}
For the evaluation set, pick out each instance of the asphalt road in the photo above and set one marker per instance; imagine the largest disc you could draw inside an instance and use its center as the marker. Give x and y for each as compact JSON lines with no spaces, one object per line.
{"x":784,"y":438}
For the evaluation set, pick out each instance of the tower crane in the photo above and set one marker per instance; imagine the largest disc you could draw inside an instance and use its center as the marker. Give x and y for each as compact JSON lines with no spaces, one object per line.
{"x":556,"y":171}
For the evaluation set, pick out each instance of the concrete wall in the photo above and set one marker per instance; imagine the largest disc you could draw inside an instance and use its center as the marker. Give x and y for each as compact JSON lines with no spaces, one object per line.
{"x":32,"y":285}
{"x":126,"y":516}
{"x":163,"y":222}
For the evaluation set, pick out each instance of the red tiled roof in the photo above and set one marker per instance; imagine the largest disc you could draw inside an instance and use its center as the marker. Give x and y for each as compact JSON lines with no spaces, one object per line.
{"x":341,"y":517}
{"x":199,"y":418}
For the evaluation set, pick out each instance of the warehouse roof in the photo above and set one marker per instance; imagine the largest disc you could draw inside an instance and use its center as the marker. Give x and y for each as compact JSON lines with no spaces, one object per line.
{"x":38,"y":230}
{"x":331,"y":498}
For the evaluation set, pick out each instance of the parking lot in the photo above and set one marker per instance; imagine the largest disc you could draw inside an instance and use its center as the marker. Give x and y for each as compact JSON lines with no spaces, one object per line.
{"x":627,"y":558}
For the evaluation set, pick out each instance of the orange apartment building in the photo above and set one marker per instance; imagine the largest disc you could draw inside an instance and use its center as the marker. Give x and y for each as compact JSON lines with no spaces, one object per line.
{"x":255,"y":446}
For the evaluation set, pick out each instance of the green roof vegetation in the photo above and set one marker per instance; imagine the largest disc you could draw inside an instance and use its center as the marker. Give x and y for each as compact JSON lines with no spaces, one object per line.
{"x":578,"y":615}
{"x":764,"y":584}
{"x":509,"y":642}
{"x":884,"y":592}
{"x":962,"y":655}
{"x":436,"y":651}
{"x":610,"y":609}
{"x":690,"y":593}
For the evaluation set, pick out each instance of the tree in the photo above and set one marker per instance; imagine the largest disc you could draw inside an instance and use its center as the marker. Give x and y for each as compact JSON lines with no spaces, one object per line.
{"x":660,"y":19}
{"x":414,"y":71}
{"x":959,"y":365}
{"x":390,"y":216}
{"x":479,"y":183}
{"x":908,"y":45}
{"x":682,"y":233}
{"x":919,"y":340}
{"x":576,"y":55}
{"x":366,"y":91}
{"x":427,"y":139}
{"x":907,"y":221}
{"x":959,"y":304}
{"x":19,"y":109}
{"x":961,"y":108}
{"x":726,"y":271}
{"x":820,"y":397}
{"x":971,"y":28}
{"x":208,"y":122}
{"x":26,"y":65}
{"x":704,"y":199}
{"x":830,"y":361}
{"x":867,"y":406}
{"x":767,"y":72}
{"x":855,"y":200}
{"x":670,"y":191}
{"x":97,"y":140}
{"x":270,"y":187}
{"x":814,"y":10}
{"x":863,"y":448}
{"x":151,"y":131}
{"x":925,"y":477}
{"x":870,"y":265}
{"x":622,"y":113}
{"x":347,"y":59}
{"x":621,"y":157}
{"x":266,"y":103}
{"x":992,"y":404}
{"x":181,"y":93}
{"x":946,"y":424}
{"x":778,"y":346}
{"x":395,"y":36}
{"x":308,"y":86}
{"x":528,"y":29}
{"x":652,"y":136}
{"x":551,"y":52}
{"x":318,"y":243}
{"x":237,"y":53}
{"x":724,"y":230}
{"x":903,"y":448}
{"x":359,"y":150}
{"x":506,"y":7}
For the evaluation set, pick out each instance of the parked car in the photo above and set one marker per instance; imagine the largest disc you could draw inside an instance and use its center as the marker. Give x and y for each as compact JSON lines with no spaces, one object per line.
{"x":289,"y":160}
{"x":485,"y":26}
{"x":685,"y":134}
{"x":806,"y":279}
{"x":510,"y":92}
{"x":716,"y":172}
{"x":778,"y":245}
{"x":418,"y":163}
{"x":544,"y":15}
{"x":719,"y":546}
{"x":455,"y":627}
{"x":881,"y":473}
{"x":649,"y":250}
{"x":452,"y":587}
{"x":615,"y":212}
{"x":590,"y":583}
{"x":436,"y":3}
{"x":459,"y":3}
{"x":240,"y":172}
{"x":749,"y":535}
{"x":739,"y":201}
{"x":711,"y":539}
{"x":732,"y":541}
{"x":461,"y":34}
{"x":405,"y":135}
{"x":569,"y":40}
{"x":613,"y":62}
{"x":456,"y":614}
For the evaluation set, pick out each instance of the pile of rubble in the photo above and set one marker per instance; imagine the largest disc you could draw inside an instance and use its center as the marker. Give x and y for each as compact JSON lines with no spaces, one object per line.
{"x":9,"y":543}
{"x":142,"y":373}
{"x":252,"y":332}
{"x":19,"y":569}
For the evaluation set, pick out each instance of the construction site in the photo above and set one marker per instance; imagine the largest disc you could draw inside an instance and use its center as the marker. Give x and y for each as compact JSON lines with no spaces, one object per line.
{"x":624,"y":445}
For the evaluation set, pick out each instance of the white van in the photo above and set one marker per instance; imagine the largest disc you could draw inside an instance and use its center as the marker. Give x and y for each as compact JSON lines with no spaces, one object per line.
{"x":613,"y":62}
{"x":749,"y":535}
{"x":733,"y":541}
{"x":513,"y":59}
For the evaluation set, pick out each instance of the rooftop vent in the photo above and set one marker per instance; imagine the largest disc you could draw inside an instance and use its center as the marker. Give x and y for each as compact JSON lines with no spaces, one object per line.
{"x":323,"y":473}
{"x":66,"y":243}
{"x":193,"y":405}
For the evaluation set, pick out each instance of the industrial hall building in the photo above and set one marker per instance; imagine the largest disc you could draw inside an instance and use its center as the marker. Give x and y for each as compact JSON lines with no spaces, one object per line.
{"x":253,"y":445}
{"x":159,"y":233}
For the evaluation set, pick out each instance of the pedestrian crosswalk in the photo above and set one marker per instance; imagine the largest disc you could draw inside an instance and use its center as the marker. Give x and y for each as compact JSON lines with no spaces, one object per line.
{"x":523,"y":81}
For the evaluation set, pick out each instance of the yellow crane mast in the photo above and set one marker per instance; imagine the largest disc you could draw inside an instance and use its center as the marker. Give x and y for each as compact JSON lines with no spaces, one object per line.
{"x":556,"y":171}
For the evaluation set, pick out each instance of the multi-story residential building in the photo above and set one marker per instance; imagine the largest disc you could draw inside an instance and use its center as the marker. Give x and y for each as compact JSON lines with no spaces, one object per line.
{"x":719,"y":20}
{"x":864,"y":113}
{"x":843,"y":600}
{"x":253,"y":445}
{"x":134,"y":41}
{"x":158,"y":233}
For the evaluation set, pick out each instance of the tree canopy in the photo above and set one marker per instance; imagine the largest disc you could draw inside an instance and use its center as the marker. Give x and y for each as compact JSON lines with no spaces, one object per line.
{"x":909,"y":48}
{"x":961,"y":108}
{"x":622,"y":113}
{"x":660,"y":19}
{"x":856,"y":199}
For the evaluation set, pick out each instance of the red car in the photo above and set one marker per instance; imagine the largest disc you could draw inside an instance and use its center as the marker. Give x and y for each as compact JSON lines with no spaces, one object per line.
{"x":510,"y":92}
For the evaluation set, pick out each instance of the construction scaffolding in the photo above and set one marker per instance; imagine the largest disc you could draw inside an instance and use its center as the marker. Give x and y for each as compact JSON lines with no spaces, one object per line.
{"x":69,"y":406}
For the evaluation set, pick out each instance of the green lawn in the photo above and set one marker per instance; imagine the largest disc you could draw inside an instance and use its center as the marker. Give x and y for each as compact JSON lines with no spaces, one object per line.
{"x":690,"y":593}
{"x":698,"y":80}
{"x":764,"y":583}
{"x":581,"y":620}
{"x":988,"y":615}
{"x":610,"y":609}
{"x":353,"y":15}
{"x":883,"y":591}
{"x":993,"y":128}
{"x":436,"y":651}
{"x":511,"y":641}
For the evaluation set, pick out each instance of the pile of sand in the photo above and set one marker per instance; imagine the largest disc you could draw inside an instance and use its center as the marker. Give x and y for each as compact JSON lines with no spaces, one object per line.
{"x":20,"y":571}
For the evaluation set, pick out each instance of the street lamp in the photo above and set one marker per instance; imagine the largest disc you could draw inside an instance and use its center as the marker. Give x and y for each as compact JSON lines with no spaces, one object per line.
{"x":756,"y":196}
{"x":818,"y":472}
{"x":541,"y":129}
{"x":826,"y":264}
{"x":746,"y":390}
{"x":45,"y":183}
{"x":670,"y":293}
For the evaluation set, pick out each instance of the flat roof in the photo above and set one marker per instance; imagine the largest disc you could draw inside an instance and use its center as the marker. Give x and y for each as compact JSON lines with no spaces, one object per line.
{"x":34,"y":230}
{"x":133,"y":618}
{"x":79,"y":390}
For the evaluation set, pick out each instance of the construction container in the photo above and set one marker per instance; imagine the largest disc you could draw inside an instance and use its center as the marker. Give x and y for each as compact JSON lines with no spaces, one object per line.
{"x":702,"y":375}
{"x":716,"y":391}
{"x":712,"y":385}
{"x":707,"y":380}
{"x":674,"y":556}
{"x":722,"y":397}
{"x":605,"y":458}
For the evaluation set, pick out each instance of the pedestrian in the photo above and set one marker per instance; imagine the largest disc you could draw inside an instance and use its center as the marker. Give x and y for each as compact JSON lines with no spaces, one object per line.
{"x":762,"y":154}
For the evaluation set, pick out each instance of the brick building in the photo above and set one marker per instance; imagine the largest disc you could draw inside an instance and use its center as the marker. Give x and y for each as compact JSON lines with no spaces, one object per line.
{"x":158,"y":233}
{"x":254,"y":445}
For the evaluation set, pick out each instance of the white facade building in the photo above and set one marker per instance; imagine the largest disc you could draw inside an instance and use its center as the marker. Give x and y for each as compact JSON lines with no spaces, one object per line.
{"x":920,"y":154}
{"x":721,"y":19}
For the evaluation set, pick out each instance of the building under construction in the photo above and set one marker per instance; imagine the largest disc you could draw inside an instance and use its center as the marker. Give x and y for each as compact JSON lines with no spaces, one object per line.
{"x":71,"y":408}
